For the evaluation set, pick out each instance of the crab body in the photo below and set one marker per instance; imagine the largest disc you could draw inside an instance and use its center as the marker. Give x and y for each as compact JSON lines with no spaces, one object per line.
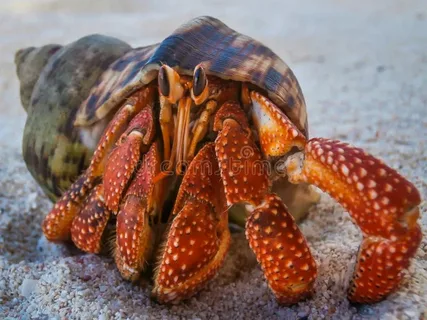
{"x":179,"y":132}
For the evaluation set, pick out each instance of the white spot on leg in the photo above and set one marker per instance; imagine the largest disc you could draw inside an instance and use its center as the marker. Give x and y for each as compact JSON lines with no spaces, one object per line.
{"x":372,"y":194}
{"x":388,"y":188}
{"x":363,"y":172}
{"x":344,"y":169}
{"x":371,"y":184}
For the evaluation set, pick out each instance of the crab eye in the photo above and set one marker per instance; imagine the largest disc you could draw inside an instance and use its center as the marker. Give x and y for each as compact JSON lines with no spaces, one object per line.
{"x":164,"y":86}
{"x":199,"y":81}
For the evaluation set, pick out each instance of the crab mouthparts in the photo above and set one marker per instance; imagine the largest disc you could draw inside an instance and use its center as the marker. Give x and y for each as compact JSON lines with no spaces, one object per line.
{"x":180,"y":149}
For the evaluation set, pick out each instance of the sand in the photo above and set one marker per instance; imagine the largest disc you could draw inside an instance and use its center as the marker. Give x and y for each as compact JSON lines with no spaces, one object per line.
{"x":362,"y":66}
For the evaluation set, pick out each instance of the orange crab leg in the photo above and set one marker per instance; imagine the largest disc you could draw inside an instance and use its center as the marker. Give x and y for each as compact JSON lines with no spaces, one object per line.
{"x":124,"y":159}
{"x":381,"y":202}
{"x":198,"y":239}
{"x":282,"y":251}
{"x":117,"y":126}
{"x":243,"y":172}
{"x":134,"y":234}
{"x":88,"y":226}
{"x":57,"y":224}
{"x":272,"y":232}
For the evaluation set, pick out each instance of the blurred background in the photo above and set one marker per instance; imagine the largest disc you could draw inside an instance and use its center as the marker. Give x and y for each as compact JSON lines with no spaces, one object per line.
{"x":327,"y":43}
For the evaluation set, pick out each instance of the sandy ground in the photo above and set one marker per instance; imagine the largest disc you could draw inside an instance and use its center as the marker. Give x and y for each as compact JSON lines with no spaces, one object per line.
{"x":362,"y":66}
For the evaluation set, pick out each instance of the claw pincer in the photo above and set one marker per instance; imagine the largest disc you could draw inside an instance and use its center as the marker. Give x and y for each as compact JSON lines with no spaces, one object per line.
{"x":381,"y":202}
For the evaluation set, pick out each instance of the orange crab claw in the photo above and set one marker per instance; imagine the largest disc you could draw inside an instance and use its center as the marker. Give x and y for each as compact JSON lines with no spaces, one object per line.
{"x":124,"y":159}
{"x":198,"y":239}
{"x":243,"y":173}
{"x":281,"y":250}
{"x":57,"y":224}
{"x":380,"y":264}
{"x":134,"y":234}
{"x":278,"y":135}
{"x":88,"y":226}
{"x":381,"y":202}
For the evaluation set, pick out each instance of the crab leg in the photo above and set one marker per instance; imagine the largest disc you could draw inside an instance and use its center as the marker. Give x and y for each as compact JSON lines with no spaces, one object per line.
{"x":271,"y":230}
{"x":134,"y":105}
{"x":381,"y":202}
{"x":198,"y":239}
{"x":282,"y":250}
{"x":124,"y":158}
{"x":134,"y":234}
{"x":89,"y":223}
{"x":88,"y":226}
{"x":57,"y":224}
{"x":132,"y":222}
{"x":243,"y":172}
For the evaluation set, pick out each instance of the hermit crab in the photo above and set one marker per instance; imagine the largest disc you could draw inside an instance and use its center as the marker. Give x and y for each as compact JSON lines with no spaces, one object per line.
{"x":205,"y":126}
